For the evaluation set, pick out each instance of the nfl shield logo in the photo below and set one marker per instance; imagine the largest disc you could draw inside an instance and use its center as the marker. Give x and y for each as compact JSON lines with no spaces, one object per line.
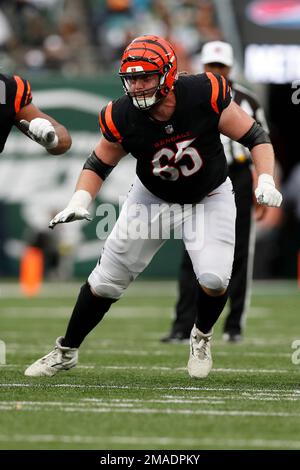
{"x":169,"y":129}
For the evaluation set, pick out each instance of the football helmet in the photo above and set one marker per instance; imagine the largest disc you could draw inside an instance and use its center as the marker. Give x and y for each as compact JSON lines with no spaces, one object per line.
{"x":148,"y":55}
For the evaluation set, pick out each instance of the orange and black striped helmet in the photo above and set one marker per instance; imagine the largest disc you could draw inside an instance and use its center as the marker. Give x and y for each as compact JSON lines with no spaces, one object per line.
{"x":147,"y":55}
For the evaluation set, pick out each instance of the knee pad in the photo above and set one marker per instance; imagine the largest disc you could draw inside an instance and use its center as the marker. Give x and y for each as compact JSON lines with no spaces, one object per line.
{"x":110,"y":278}
{"x":212,"y":281}
{"x":105,"y":287}
{"x":111,"y":291}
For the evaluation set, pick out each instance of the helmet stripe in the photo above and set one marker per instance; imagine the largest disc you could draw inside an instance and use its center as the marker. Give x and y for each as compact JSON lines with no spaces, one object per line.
{"x":151,"y":41}
{"x":148,"y":49}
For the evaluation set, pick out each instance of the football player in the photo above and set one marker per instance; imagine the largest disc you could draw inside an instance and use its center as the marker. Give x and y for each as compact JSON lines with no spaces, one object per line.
{"x":217,"y":56}
{"x":171,"y":124}
{"x":16,"y":108}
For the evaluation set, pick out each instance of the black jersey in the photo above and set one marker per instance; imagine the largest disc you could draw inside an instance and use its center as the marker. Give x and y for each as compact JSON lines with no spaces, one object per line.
{"x":180,"y":160}
{"x":15,"y":93}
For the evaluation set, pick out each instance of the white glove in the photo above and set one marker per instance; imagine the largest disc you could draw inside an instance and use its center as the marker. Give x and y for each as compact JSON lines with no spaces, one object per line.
{"x":266,"y":193}
{"x":42,"y":131}
{"x":75,"y":210}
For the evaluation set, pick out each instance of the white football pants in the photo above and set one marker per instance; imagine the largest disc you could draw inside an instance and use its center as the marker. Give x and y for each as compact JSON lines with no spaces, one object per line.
{"x":144,"y":224}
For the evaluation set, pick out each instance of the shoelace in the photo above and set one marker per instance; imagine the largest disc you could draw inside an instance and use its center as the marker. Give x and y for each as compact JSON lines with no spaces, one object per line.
{"x":53,"y":355}
{"x":202,"y":348}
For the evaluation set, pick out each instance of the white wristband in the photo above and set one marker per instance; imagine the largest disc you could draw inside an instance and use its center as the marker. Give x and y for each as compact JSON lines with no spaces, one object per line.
{"x":80,"y":198}
{"x":265,"y":178}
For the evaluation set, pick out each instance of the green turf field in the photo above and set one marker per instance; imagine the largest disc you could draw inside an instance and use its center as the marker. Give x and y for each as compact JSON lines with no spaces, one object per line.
{"x":132,"y":392}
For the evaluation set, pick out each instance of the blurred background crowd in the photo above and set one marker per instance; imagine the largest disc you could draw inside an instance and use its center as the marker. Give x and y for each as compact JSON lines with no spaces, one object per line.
{"x":85,"y":38}
{"x":88,"y":36}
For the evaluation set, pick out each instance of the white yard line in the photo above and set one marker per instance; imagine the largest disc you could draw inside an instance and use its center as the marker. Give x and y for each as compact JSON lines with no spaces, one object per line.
{"x":242,"y":397}
{"x":23,"y":366}
{"x":114,"y":402}
{"x":162,"y":411}
{"x":46,"y":385}
{"x":258,"y":312}
{"x":118,"y":311}
{"x":212,"y":400}
{"x":101,"y":349}
{"x":44,"y":313}
{"x":208,"y":399}
{"x":162,"y":288}
{"x":226,"y":370}
{"x":251,"y":354}
{"x":168,"y":369}
{"x":71,"y":289}
{"x":148,"y":440}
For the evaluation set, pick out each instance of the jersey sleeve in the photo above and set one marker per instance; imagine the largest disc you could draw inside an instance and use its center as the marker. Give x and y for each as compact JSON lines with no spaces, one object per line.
{"x":220,"y":92}
{"x":107,"y":121}
{"x":22,"y":92}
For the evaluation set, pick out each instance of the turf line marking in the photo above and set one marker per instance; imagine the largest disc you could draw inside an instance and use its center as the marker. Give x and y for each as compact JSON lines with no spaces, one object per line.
{"x":155,"y":440}
{"x":101,"y":349}
{"x":227,"y":370}
{"x":44,"y":313}
{"x":45,"y":385}
{"x":172,"y":369}
{"x":162,"y":411}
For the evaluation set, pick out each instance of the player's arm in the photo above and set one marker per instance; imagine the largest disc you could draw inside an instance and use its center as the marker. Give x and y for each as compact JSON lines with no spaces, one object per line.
{"x":95,"y":170}
{"x":238,"y":125}
{"x":41,"y":127}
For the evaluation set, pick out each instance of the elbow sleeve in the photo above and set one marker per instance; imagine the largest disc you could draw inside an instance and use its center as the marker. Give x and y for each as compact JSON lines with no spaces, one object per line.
{"x":255,"y":136}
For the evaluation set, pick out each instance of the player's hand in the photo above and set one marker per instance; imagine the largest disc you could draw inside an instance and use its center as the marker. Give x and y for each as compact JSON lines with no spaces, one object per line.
{"x":42,"y":131}
{"x":266,"y":193}
{"x":69,"y":215}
